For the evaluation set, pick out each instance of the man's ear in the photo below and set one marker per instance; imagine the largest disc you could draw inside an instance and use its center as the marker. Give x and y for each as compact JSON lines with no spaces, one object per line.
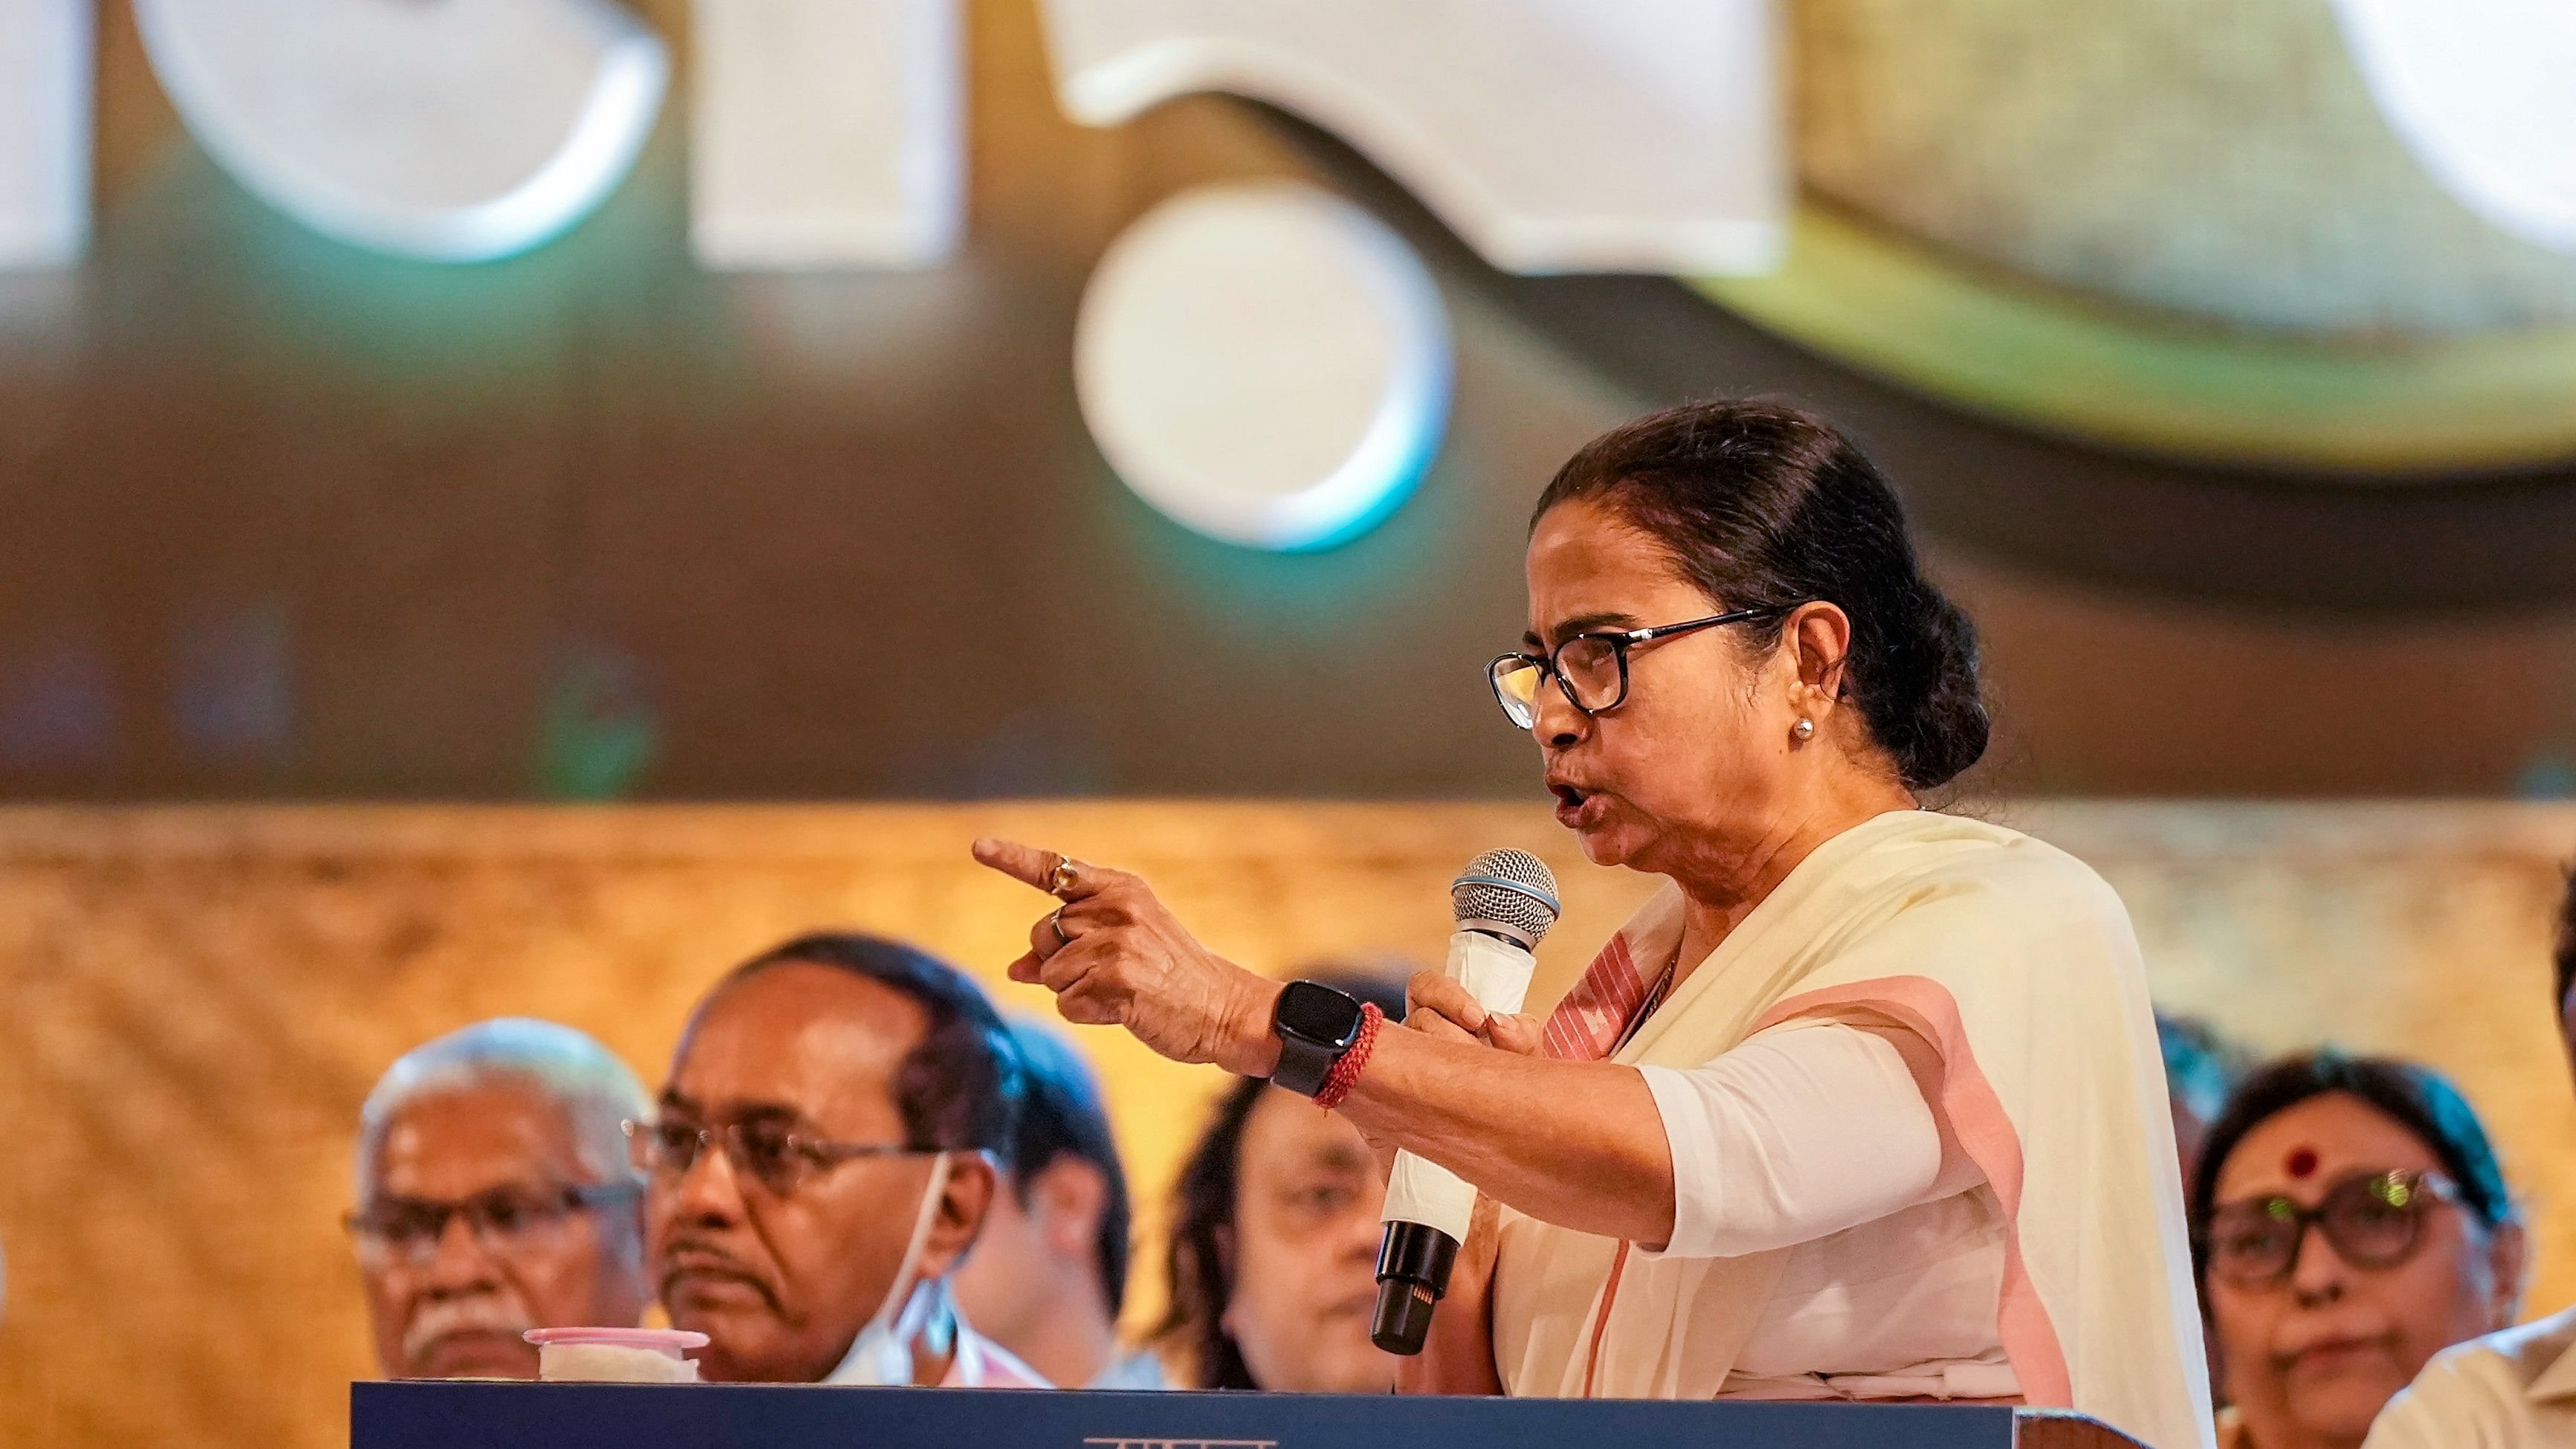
{"x":964,"y":1200}
{"x":2509,"y":1255}
{"x":1069,"y":1196}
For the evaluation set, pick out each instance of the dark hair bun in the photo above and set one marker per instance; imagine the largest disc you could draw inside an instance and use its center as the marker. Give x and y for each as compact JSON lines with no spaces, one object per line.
{"x":1759,"y":502}
{"x":1932,"y":711}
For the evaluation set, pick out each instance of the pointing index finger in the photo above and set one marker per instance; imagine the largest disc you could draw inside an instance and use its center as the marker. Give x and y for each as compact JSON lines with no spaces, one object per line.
{"x":1026,"y":864}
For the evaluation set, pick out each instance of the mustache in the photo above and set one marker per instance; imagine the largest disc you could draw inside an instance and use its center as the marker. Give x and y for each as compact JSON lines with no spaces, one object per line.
{"x":478,"y":1313}
{"x":708,"y":1260}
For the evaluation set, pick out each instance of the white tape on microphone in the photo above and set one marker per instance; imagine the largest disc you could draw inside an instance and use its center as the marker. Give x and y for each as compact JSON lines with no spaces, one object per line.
{"x":1497,"y":974}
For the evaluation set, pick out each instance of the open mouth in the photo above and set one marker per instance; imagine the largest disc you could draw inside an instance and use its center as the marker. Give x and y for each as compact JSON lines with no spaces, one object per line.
{"x":1570,"y":803}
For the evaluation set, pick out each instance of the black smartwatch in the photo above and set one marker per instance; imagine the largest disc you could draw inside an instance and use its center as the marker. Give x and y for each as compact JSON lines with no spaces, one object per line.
{"x":1315,"y":1024}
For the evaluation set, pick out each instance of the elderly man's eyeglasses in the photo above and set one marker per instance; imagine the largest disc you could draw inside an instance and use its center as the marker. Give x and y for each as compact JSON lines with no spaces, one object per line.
{"x":773,"y":1154}
{"x":505,"y":1220}
{"x":1592,"y":668}
{"x":2372,"y":1220}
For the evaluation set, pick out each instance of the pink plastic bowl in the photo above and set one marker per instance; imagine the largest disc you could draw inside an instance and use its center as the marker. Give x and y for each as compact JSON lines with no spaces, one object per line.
{"x":668,"y":1340}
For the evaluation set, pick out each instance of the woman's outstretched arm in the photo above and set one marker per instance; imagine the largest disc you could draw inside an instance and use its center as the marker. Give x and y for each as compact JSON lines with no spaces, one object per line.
{"x":1573,"y":1143}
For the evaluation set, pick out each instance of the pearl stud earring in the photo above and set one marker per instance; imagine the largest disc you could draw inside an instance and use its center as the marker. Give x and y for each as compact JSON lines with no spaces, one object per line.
{"x":1803,"y":730}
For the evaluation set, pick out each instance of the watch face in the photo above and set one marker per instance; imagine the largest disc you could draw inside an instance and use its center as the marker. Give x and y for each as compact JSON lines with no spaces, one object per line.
{"x":1319,"y":1014}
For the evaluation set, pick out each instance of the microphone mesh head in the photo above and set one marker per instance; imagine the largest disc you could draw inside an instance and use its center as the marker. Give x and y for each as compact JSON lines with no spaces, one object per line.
{"x":1510,"y":886}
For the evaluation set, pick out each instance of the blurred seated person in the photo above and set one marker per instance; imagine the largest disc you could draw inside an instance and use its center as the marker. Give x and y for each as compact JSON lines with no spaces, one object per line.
{"x":824,"y":1154}
{"x":2510,"y":1390}
{"x":2201,"y":1068}
{"x":2349,"y":1222}
{"x":1049,"y":1274}
{"x":494,"y":1196}
{"x":1275,"y":1232}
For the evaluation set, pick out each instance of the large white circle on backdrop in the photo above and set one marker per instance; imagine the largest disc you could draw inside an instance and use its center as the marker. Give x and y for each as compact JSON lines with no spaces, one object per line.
{"x":1265,"y":363}
{"x":461,"y":131}
{"x":2484,"y":93}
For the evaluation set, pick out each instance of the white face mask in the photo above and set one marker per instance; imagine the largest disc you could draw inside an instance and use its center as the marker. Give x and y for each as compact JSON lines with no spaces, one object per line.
{"x":882,"y":1353}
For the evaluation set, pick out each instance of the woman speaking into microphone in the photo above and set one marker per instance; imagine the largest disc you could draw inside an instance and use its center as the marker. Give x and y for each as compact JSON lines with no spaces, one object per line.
{"x":1864,"y":1104}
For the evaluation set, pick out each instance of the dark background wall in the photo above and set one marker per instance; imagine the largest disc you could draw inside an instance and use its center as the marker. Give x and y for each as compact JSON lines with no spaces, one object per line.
{"x":281,"y":518}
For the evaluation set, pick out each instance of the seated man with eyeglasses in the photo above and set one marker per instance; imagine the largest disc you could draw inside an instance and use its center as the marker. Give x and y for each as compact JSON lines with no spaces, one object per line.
{"x":494,"y":1196}
{"x":825,"y":1152}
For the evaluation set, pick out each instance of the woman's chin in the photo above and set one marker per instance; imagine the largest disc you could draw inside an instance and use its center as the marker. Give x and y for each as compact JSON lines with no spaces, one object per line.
{"x":1608,"y":841}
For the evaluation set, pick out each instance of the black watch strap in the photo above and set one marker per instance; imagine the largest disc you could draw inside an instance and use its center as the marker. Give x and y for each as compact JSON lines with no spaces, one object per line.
{"x":1315,"y":1025}
{"x":1303,"y":1065}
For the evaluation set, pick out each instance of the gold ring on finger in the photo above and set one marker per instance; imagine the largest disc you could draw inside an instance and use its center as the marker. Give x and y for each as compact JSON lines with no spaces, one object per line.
{"x":1066,"y":875}
{"x":1055,"y":923}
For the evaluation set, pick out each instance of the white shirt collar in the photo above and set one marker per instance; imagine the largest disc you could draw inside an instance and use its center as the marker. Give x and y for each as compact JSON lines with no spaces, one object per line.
{"x":2558,"y":1380}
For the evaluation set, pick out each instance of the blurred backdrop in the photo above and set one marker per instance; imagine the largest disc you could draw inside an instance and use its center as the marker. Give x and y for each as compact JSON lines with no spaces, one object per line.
{"x":2248,"y":441}
{"x":288,"y":518}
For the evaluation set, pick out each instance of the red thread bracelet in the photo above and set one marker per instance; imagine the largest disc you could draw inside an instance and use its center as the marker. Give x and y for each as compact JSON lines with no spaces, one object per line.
{"x":1346,"y":1072}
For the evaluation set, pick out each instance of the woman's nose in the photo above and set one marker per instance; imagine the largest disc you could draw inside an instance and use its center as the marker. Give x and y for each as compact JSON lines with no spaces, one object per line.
{"x":1558,"y":722}
{"x":1362,"y":1236}
{"x":1364,"y":1228}
{"x":2319,"y":1274}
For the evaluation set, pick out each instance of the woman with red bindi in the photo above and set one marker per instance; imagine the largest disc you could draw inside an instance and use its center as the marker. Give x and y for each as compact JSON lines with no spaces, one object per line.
{"x":2349,"y":1221}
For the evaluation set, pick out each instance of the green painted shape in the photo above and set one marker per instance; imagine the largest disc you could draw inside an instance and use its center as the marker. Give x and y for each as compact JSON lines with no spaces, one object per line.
{"x":2388,"y":409}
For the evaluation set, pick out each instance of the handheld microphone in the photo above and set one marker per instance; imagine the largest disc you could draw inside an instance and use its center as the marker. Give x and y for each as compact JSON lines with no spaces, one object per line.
{"x":1504,"y":903}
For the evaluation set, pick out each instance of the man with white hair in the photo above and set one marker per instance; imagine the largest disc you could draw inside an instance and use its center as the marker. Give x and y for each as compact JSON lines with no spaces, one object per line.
{"x":495,"y":1196}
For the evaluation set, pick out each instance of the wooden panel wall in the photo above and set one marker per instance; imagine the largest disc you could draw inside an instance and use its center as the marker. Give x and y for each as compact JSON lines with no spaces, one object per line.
{"x":193,"y":1003}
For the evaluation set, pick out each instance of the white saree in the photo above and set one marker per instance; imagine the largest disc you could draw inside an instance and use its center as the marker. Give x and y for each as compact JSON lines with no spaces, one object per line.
{"x":2018,"y":966}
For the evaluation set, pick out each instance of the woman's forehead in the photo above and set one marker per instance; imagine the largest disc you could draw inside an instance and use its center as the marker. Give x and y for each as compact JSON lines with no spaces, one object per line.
{"x":1586,"y":562}
{"x":2301,"y":1150}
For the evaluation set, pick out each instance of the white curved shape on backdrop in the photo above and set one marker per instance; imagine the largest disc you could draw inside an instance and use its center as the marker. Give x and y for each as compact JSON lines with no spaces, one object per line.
{"x":826,"y":133}
{"x":45,"y":48}
{"x":2484,"y":93}
{"x":1264,"y":363}
{"x":1554,"y":135}
{"x":460,"y":131}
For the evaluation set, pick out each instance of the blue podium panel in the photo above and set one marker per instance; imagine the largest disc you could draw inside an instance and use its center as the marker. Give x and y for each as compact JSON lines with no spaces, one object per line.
{"x":739,"y":1416}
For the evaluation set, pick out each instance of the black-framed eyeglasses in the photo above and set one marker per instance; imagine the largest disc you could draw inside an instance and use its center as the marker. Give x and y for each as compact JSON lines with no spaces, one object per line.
{"x":770,"y":1152}
{"x":1592,"y":668}
{"x":2373,"y":1220}
{"x":514,"y":1218}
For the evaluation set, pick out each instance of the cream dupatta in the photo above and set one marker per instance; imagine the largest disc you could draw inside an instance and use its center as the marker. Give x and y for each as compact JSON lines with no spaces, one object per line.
{"x":2018,"y":966}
